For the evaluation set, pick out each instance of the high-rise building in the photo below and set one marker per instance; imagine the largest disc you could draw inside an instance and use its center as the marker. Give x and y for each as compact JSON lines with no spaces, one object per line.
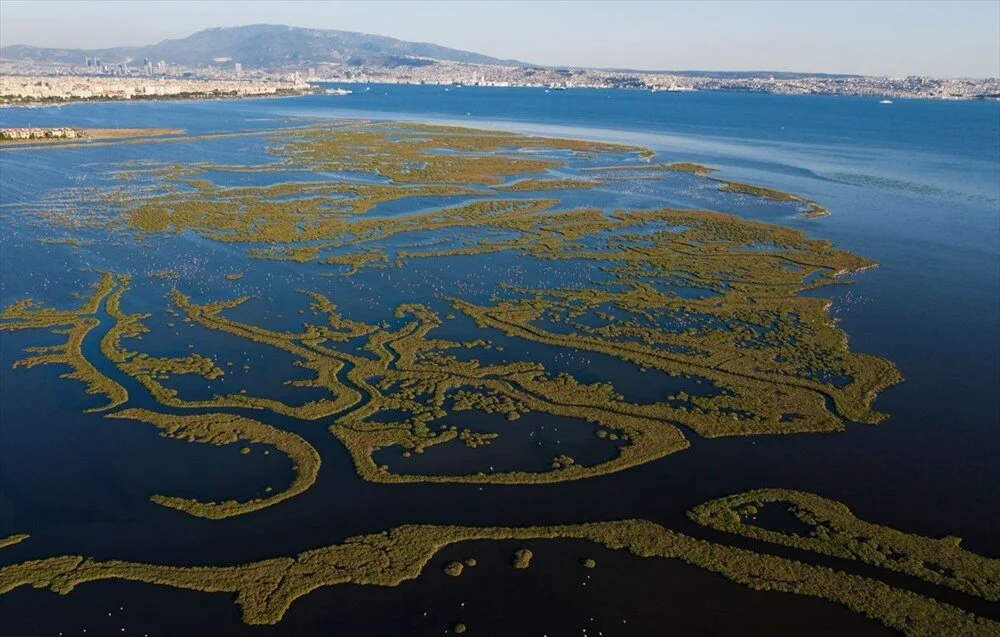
{"x":311,"y":73}
{"x":239,"y":69}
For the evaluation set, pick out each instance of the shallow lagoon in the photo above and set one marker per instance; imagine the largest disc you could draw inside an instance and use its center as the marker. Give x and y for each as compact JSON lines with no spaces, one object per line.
{"x":906,"y":195}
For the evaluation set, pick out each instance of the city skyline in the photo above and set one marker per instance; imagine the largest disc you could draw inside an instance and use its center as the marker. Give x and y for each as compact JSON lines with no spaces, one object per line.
{"x":957,"y":39}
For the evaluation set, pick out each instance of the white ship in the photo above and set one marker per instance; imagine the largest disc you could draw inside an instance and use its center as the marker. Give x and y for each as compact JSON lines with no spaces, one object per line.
{"x":338,"y":91}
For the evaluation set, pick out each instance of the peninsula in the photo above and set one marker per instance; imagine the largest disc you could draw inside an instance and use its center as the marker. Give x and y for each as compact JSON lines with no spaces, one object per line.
{"x":21,"y":136}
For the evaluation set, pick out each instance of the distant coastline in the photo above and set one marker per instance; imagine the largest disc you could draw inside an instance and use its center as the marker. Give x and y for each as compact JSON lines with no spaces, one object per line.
{"x":36,"y":91}
{"x":186,"y":97}
{"x":861,"y":86}
{"x":42,"y":90}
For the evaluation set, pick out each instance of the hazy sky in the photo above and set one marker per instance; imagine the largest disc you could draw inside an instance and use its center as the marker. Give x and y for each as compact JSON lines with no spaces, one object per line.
{"x":879,"y":38}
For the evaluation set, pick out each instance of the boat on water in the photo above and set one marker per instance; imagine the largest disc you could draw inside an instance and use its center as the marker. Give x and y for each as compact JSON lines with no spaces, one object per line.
{"x":886,"y":102}
{"x":338,"y":91}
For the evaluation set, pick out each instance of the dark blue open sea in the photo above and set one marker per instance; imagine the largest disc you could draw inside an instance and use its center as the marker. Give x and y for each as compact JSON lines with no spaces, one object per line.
{"x":913,"y":185}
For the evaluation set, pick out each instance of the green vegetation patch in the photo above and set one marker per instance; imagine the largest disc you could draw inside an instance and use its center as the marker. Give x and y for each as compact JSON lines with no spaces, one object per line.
{"x":75,"y":325}
{"x":265,"y":590}
{"x":522,"y":558}
{"x":834,"y":530}
{"x":227,"y":429}
{"x":11,"y":540}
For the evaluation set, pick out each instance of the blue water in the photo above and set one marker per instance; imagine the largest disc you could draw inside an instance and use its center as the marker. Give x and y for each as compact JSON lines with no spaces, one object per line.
{"x":914,"y":186}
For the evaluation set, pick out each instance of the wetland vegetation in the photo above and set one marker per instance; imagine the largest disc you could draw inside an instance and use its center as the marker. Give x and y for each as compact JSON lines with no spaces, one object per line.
{"x":686,"y":293}
{"x":707,"y":304}
{"x":265,"y":590}
{"x":831,"y":529}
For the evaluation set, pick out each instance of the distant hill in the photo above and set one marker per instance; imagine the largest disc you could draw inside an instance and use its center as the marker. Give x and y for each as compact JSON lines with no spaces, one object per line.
{"x":263,"y":46}
{"x":271,"y":46}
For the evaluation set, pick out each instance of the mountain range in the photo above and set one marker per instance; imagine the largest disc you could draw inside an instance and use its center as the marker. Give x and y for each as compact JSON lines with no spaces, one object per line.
{"x":263,"y":46}
{"x":270,"y":46}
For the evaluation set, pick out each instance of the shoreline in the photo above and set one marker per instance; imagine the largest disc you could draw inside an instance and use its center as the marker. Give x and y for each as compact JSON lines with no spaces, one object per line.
{"x":90,"y":135}
{"x":287,"y":93}
{"x":179,"y":97}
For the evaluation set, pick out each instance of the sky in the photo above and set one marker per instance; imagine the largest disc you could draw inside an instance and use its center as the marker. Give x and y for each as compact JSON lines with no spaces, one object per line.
{"x":937,"y":38}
